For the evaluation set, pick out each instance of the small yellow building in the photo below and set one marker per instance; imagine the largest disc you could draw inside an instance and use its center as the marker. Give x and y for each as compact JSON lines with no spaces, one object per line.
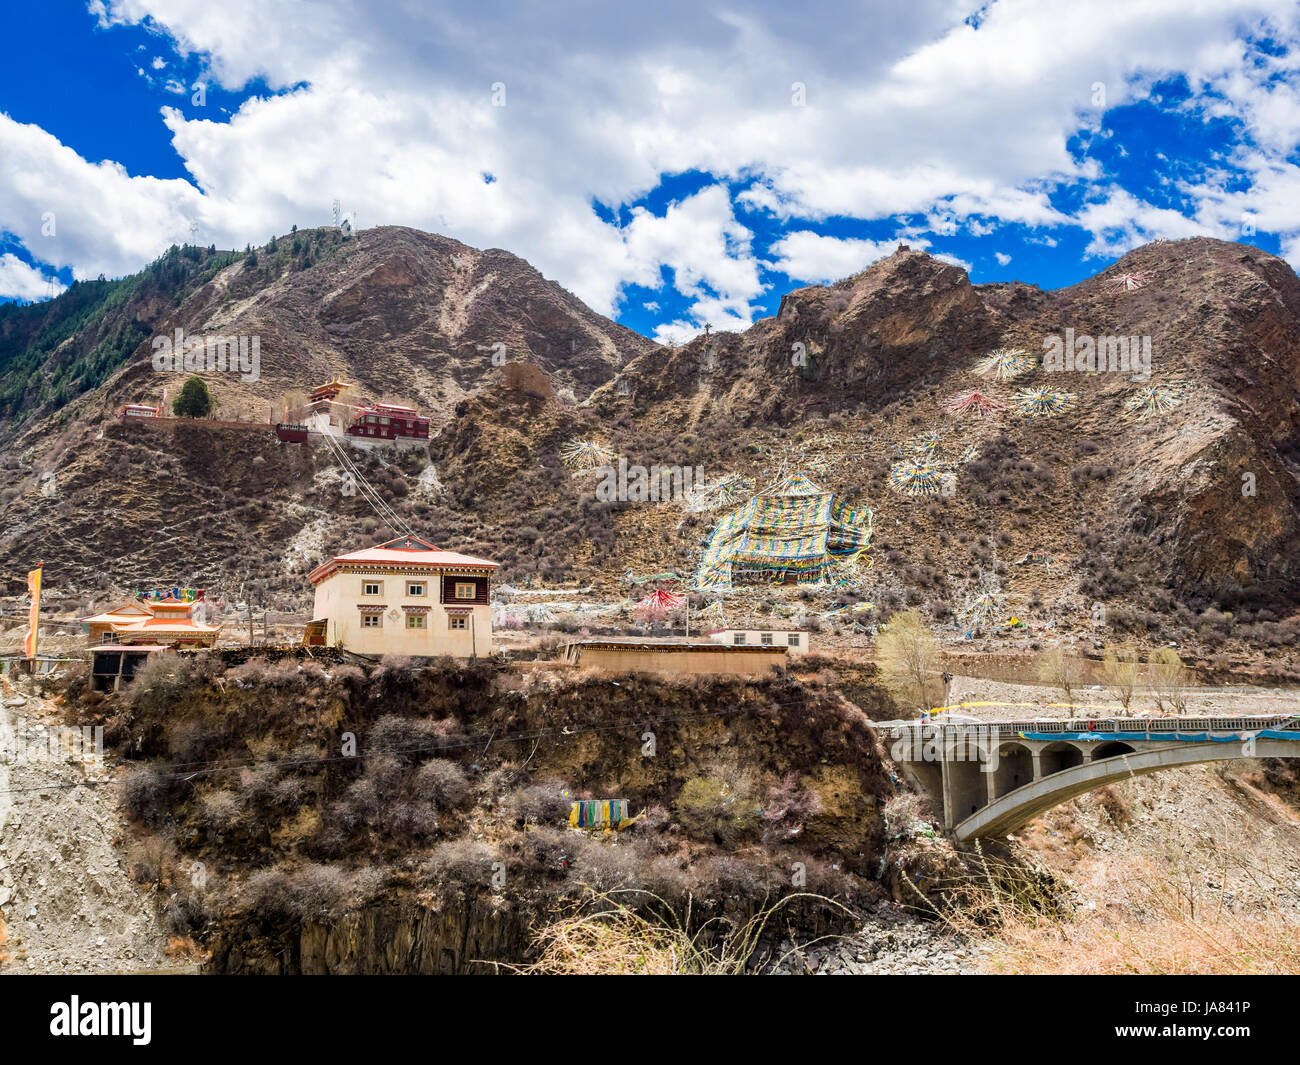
{"x":673,"y":656}
{"x":405,"y":597}
{"x":797,"y":640}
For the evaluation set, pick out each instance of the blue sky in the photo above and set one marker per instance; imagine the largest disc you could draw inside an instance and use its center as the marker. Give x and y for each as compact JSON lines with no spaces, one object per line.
{"x":671,"y":171}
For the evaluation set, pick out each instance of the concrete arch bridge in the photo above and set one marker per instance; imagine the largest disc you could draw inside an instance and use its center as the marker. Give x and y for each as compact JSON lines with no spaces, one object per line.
{"x":995,"y":777}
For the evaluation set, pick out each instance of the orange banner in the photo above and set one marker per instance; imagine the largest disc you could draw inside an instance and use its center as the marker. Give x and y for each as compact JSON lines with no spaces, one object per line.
{"x":34,"y":587}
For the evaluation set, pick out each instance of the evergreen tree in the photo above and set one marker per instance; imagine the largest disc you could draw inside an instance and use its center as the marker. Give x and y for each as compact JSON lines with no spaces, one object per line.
{"x":195,"y":401}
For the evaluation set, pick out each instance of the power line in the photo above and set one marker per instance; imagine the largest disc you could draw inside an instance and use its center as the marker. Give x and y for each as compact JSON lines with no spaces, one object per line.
{"x":368,"y":491}
{"x":218,"y":766}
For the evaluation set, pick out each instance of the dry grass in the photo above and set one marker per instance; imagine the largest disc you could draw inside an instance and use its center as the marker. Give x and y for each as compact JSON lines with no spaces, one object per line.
{"x":1158,"y":920}
{"x":605,"y":935}
{"x":184,"y":949}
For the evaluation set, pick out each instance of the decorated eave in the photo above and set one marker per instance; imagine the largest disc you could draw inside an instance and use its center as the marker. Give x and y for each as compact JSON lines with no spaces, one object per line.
{"x":404,"y":553}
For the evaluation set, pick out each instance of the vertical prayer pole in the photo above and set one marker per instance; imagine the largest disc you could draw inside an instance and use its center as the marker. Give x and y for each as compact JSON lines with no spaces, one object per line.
{"x":34,"y":617}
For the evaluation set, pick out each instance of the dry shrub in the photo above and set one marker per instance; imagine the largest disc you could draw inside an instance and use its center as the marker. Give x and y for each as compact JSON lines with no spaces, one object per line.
{"x":1113,"y":806}
{"x":787,"y":808}
{"x":221,"y":810}
{"x":167,"y":680}
{"x":546,"y":802}
{"x":257,"y":785}
{"x":1160,"y":925}
{"x":637,"y":933}
{"x":719,"y":806}
{"x":410,"y":737}
{"x":310,"y":892}
{"x":184,"y":949}
{"x":261,"y":673}
{"x":440,"y":783}
{"x":460,"y":862}
{"x":144,"y":792}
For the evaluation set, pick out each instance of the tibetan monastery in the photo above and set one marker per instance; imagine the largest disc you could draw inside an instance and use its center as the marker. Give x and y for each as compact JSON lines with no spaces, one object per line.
{"x":161,"y":622}
{"x":123,"y":638}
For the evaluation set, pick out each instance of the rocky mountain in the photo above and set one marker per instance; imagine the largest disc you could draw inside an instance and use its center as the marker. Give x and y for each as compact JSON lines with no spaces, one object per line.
{"x":1168,"y":492}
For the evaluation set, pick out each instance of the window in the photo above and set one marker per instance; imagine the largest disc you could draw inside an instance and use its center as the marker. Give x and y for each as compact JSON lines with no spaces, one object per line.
{"x":793,"y":639}
{"x":765,"y":638}
{"x":383,"y":421}
{"x":458,"y":621}
{"x":738,"y":638}
{"x":466,"y":590}
{"x":372,"y":621}
{"x":415,"y":621}
{"x":415,"y":588}
{"x":372,"y":588}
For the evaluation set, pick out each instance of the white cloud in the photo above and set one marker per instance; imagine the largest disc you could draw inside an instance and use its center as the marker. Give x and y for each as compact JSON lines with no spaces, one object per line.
{"x":1122,"y":222}
{"x":953,"y":260}
{"x":707,"y":250}
{"x":20,"y":281}
{"x":819,"y":259}
{"x":908,"y":112}
{"x":105,"y":221}
{"x":1291,"y":251}
{"x":1002,"y":257}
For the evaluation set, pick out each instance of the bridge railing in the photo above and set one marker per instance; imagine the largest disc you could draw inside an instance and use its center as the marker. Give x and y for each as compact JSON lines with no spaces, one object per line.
{"x":1103,"y":726}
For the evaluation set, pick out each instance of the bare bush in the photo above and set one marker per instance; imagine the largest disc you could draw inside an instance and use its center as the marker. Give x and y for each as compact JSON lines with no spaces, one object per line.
{"x":1060,"y":670}
{"x":1119,"y":670}
{"x":462,"y":861}
{"x":221,"y":810}
{"x":1167,"y":679}
{"x":144,"y":792}
{"x":547,"y":801}
{"x":907,"y":655}
{"x":441,"y":783}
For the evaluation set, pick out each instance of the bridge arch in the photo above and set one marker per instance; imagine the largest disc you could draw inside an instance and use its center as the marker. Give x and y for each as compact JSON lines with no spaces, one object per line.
{"x":1059,"y":756}
{"x":1015,"y":768}
{"x":1110,"y":749}
{"x":1017,"y":808}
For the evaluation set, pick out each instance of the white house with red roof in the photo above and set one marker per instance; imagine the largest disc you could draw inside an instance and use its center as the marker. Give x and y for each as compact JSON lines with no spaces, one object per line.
{"x":404,"y":597}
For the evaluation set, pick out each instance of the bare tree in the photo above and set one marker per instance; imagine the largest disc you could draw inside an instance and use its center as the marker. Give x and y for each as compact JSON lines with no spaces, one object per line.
{"x":1167,"y":678}
{"x":1060,"y":670}
{"x":907,"y":655}
{"x":1120,"y":670}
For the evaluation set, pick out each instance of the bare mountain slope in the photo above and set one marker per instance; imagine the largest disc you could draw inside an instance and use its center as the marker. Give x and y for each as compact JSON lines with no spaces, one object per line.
{"x":1147,"y":516}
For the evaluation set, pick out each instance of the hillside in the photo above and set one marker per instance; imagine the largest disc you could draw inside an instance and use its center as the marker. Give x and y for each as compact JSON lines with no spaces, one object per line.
{"x":1146,"y":516}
